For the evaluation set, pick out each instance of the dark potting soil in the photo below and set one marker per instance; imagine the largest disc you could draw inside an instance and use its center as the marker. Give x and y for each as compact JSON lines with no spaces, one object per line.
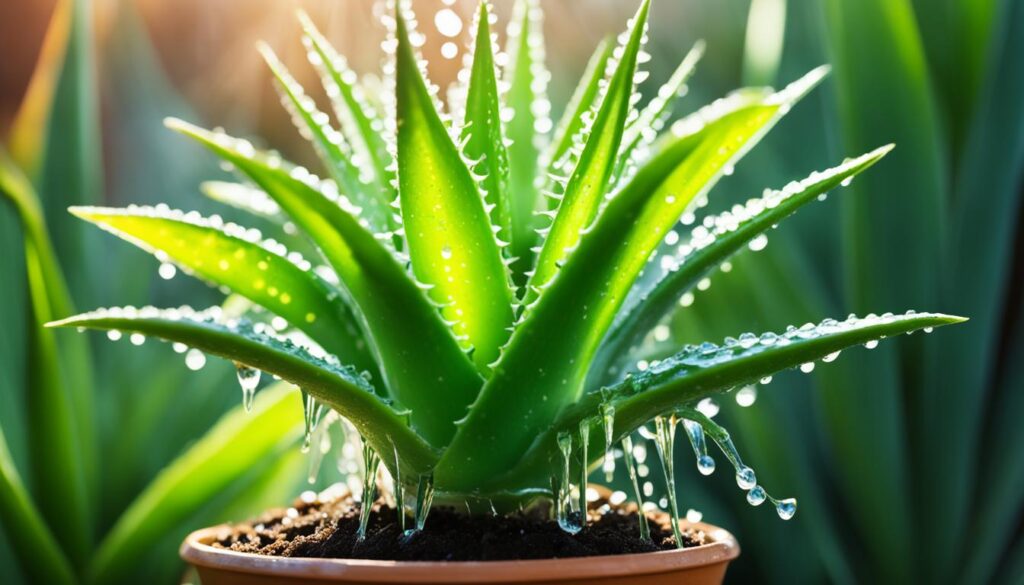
{"x":328,"y":530}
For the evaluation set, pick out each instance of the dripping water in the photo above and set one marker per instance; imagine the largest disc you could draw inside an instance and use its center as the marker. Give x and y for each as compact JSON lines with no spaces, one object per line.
{"x":371,"y":462}
{"x":665,"y":438}
{"x":248,"y":379}
{"x":627,"y":458}
{"x":705,"y":464}
{"x":608,"y":422}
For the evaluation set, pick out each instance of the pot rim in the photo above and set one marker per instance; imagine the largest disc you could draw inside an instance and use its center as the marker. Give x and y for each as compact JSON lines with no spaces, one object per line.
{"x":723,"y":547}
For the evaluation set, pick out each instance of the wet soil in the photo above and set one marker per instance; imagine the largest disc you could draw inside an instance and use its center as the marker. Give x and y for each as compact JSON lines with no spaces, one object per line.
{"x":315,"y":529}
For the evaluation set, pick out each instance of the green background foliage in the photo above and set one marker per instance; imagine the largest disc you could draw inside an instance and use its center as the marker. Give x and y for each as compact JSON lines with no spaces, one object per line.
{"x":897,"y":454}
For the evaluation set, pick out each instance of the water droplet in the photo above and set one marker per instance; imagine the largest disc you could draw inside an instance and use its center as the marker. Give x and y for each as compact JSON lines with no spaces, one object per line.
{"x":695,"y":432}
{"x":448,"y":22}
{"x":871,"y":344}
{"x":195,"y":360}
{"x":446,"y":252}
{"x":758,"y":243}
{"x":167,"y":270}
{"x":137,"y":339}
{"x":746,"y":396}
{"x":694,"y":516}
{"x":113,"y":335}
{"x":608,"y":423}
{"x":746,"y":478}
{"x":665,"y":438}
{"x":766,"y":380}
{"x":627,"y":458}
{"x":371,"y":461}
{"x":807,"y":368}
{"x":248,"y":379}
{"x":786,"y":508}
{"x":830,"y":357}
{"x":756,"y":496}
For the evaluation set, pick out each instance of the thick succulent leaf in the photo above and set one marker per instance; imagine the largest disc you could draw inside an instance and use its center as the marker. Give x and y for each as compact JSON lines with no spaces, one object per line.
{"x":261,"y":271}
{"x":58,"y":392}
{"x":244,"y":198}
{"x":486,"y":139}
{"x":525,"y":125}
{"x":708,"y":248}
{"x":643,"y":131}
{"x":582,"y":101}
{"x":222,"y":457}
{"x":543,"y":368}
{"x":360,"y":122}
{"x":410,"y":341}
{"x":38,"y":553}
{"x":587,"y":184}
{"x":334,"y":151}
{"x":701,"y":371}
{"x":451,"y":244}
{"x":340,"y":387}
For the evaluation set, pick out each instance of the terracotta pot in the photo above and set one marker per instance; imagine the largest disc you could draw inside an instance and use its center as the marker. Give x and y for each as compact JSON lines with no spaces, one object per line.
{"x":700,"y":565}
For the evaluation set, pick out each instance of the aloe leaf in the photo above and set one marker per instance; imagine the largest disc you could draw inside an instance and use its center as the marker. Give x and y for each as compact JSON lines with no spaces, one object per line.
{"x":587,"y":183}
{"x":38,"y":553}
{"x":340,"y":387}
{"x":643,"y":131}
{"x":410,"y":340}
{"x":702,"y":371}
{"x":543,"y":368}
{"x":709,"y":248}
{"x":526,"y":125}
{"x":58,"y":402}
{"x":360,"y":123}
{"x":331,"y":147}
{"x":237,"y":443}
{"x":260,"y":270}
{"x":451,"y":244}
{"x":582,"y":101}
{"x":486,"y":140}
{"x":244,"y":198}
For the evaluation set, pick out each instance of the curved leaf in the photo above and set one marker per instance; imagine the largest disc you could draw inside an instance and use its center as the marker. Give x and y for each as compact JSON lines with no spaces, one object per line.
{"x":334,"y":152}
{"x":701,"y":371}
{"x":261,"y":271}
{"x":222,"y":457}
{"x":582,"y":101}
{"x":525,"y":127}
{"x":643,"y":131}
{"x":359,"y":122}
{"x":709,"y":248}
{"x":486,"y":140}
{"x":447,"y":228}
{"x":410,"y":341}
{"x":58,"y":396}
{"x":543,"y":368}
{"x":243,"y":197}
{"x":340,"y":387}
{"x":39,"y":556}
{"x":587,"y":184}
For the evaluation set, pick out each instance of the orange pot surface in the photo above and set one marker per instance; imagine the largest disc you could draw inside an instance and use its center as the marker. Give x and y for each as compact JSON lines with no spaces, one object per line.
{"x":700,"y":565}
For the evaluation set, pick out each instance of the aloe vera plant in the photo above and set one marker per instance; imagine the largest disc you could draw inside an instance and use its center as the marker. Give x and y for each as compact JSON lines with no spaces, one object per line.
{"x":476,"y":284}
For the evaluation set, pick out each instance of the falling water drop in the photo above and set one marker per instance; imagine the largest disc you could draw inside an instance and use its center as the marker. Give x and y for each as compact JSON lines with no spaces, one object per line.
{"x":248,"y":379}
{"x":746,"y":478}
{"x":195,"y":360}
{"x":568,"y":518}
{"x":398,"y":490}
{"x":309,"y":414}
{"x":371,"y":461}
{"x":584,"y":460}
{"x":785,"y":508}
{"x":756,"y":496}
{"x":627,"y":458}
{"x":665,"y":431}
{"x":608,"y":422}
{"x":705,"y":464}
{"x":424,"y":496}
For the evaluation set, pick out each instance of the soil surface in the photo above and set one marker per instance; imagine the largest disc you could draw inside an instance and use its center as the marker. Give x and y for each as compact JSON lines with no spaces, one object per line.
{"x":328,"y":530}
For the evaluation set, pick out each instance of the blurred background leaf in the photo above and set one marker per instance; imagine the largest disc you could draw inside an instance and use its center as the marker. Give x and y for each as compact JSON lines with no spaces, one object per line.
{"x":907,"y":459}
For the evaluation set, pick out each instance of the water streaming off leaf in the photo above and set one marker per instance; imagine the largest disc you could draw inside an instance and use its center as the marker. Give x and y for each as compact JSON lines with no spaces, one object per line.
{"x":248,"y":379}
{"x":627,"y":458}
{"x":665,"y":431}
